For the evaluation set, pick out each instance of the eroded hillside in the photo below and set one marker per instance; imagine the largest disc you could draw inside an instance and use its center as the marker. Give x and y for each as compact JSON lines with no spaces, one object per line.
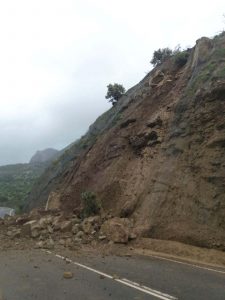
{"x":158,"y":156}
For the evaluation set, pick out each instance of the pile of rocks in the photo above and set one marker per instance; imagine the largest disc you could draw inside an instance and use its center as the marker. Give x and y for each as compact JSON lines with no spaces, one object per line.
{"x":48,"y":229}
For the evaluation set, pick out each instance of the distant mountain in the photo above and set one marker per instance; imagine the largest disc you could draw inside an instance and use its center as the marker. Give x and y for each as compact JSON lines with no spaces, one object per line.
{"x":44,"y":156}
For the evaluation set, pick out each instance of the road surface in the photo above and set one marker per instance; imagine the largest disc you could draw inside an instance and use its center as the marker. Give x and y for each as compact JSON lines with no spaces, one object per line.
{"x":36,"y":274}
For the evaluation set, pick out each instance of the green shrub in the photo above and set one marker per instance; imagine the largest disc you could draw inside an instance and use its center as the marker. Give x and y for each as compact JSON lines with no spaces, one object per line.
{"x":161,"y":55}
{"x":180,"y":58}
{"x":90,"y":205}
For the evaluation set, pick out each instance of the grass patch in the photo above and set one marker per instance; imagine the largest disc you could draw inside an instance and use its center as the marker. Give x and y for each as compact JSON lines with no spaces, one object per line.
{"x":219,"y":53}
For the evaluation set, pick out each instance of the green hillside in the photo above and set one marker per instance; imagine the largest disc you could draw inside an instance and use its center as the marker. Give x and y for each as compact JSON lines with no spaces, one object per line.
{"x":16,"y":181}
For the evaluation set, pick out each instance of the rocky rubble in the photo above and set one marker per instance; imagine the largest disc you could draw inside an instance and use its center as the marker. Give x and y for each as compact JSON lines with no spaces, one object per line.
{"x":50,"y":229}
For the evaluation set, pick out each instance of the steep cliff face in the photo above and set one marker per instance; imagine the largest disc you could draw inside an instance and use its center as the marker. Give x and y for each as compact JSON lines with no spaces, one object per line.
{"x":158,"y":156}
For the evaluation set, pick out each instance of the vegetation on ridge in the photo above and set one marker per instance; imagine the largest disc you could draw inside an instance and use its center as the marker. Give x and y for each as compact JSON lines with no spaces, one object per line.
{"x":115,"y":92}
{"x":161,"y":55}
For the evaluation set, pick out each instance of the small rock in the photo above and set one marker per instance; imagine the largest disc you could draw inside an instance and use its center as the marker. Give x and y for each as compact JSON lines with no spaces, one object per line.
{"x":44,"y":233}
{"x":62,"y":242}
{"x":115,"y":276}
{"x":68,"y":242}
{"x":50,"y":229}
{"x":39,"y":245}
{"x":76,"y":228}
{"x":87,"y":226}
{"x":45,"y":221}
{"x":56,"y":223}
{"x":49,"y":244}
{"x":80,"y":235}
{"x":77,"y":240}
{"x":66,"y":226}
{"x":68,"y":275}
{"x":22,"y":220}
{"x":16,"y":233}
{"x":35,"y":233}
{"x":75,"y":220}
{"x":132,"y":236}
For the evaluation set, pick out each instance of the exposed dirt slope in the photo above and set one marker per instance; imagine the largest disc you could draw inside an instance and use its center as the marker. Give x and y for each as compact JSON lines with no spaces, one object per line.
{"x":160,"y":156}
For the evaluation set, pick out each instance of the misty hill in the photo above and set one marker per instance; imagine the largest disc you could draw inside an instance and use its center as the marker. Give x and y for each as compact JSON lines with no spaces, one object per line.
{"x":16,"y":180}
{"x":44,"y":156}
{"x":157,"y":156}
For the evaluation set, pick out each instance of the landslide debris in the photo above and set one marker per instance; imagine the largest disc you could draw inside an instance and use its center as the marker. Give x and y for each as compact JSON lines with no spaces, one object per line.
{"x":52,"y":229}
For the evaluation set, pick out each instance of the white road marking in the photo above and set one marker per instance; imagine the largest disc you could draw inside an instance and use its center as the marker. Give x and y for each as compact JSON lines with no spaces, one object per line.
{"x":123,"y":281}
{"x":187,"y":264}
{"x":148,"y":289}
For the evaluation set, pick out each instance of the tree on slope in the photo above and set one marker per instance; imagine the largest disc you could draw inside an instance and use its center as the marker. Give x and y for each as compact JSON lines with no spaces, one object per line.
{"x":161,"y":55}
{"x":115,"y":92}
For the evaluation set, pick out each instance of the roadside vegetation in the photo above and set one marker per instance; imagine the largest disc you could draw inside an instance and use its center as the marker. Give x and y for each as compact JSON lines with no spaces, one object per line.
{"x":90,"y":204}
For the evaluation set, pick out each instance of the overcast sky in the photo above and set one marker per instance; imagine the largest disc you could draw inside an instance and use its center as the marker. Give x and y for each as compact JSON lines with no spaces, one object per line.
{"x":57,"y":56}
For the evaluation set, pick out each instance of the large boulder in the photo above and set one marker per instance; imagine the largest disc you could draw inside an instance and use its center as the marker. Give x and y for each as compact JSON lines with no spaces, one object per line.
{"x":31,"y":229}
{"x":66,"y":226}
{"x":117,"y":230}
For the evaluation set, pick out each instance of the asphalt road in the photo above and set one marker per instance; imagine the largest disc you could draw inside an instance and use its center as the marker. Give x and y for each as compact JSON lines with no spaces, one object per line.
{"x":39,"y":275}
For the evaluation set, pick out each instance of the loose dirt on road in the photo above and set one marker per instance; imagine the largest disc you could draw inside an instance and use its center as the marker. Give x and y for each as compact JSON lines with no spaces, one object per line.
{"x":58,"y":233}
